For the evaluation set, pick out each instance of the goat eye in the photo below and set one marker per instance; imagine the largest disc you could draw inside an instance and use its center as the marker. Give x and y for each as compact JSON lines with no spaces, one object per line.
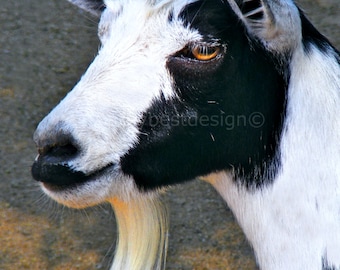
{"x":204,"y":53}
{"x":197,"y":55}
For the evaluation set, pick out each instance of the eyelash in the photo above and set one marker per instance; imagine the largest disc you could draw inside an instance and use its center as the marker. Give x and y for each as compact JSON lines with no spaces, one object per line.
{"x":200,"y":52}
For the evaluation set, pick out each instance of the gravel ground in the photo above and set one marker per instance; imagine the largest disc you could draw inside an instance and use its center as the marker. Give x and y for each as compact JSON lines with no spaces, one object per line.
{"x":45,"y":46}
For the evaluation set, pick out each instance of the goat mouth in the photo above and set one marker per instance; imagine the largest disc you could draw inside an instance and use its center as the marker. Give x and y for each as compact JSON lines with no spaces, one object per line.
{"x":59,"y":177}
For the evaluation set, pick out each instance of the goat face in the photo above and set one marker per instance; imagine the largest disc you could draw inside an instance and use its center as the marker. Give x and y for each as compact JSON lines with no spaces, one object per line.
{"x":178,"y":89}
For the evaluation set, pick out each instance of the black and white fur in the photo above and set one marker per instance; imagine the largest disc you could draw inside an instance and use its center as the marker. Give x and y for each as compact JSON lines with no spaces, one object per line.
{"x":147,"y":114}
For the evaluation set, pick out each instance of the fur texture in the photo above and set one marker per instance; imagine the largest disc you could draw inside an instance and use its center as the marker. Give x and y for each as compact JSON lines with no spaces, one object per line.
{"x":245,"y":92}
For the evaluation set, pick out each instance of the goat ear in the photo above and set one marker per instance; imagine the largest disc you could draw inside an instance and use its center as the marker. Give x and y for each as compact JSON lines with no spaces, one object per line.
{"x":93,"y":6}
{"x":276,"y":23}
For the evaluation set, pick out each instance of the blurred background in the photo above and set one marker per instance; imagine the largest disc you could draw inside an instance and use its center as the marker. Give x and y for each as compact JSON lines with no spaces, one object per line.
{"x":45,"y":46}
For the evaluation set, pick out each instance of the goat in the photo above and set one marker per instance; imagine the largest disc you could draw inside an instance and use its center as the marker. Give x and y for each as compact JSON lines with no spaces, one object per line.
{"x":151,"y":112}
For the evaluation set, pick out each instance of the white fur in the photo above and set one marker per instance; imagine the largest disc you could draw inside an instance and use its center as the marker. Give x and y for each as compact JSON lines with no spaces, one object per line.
{"x":295,"y":222}
{"x":128,"y":73}
{"x":121,"y":83}
{"x":143,"y":231}
{"x":291,"y":224}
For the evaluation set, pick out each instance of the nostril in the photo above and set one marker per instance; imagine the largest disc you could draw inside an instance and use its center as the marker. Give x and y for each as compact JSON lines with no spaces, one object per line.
{"x":60,"y":151}
{"x":55,"y":143}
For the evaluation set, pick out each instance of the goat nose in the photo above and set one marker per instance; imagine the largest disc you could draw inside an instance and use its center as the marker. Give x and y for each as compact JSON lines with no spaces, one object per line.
{"x":56,"y":149}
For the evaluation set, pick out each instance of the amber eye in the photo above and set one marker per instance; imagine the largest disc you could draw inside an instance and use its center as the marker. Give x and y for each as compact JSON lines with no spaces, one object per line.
{"x":205,"y":53}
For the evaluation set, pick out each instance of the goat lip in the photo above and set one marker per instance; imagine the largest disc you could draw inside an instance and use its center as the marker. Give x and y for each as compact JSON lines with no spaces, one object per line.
{"x":58,"y":177}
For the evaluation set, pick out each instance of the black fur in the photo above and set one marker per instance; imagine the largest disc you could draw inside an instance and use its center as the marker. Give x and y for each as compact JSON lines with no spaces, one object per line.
{"x":242,"y":81}
{"x":326,"y":266}
{"x":192,"y":135}
{"x":311,"y":36}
